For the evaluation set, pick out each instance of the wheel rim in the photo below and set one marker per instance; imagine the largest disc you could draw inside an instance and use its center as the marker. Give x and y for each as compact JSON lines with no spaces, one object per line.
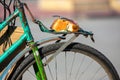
{"x":79,"y":67}
{"x":69,"y":66}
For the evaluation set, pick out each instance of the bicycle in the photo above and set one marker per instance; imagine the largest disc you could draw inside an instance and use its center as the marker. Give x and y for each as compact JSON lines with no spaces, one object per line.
{"x":38,"y":57}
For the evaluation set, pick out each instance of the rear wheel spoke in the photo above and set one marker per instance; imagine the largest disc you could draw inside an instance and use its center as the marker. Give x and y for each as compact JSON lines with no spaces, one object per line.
{"x":71,"y":68}
{"x":49,"y":69}
{"x":79,"y":68}
{"x":66,"y":65}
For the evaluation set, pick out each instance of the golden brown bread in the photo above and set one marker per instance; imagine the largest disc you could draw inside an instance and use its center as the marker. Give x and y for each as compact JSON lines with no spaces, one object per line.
{"x":64,"y":25}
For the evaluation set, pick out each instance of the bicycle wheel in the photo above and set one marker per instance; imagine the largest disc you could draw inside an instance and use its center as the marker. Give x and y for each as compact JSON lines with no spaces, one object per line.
{"x":76,"y":62}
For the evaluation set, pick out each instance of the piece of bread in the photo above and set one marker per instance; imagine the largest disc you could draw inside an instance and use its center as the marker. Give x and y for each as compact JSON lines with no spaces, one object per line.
{"x":64,"y":25}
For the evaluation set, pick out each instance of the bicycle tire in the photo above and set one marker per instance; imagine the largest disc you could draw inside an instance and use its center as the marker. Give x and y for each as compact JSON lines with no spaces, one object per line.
{"x":74,"y":47}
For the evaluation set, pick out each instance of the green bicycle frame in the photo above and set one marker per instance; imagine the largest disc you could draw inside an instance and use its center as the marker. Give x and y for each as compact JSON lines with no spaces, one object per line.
{"x":27,"y":36}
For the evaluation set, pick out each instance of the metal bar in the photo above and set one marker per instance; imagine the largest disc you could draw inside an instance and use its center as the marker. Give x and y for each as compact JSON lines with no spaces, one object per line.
{"x":10,"y":18}
{"x":40,"y":72}
{"x":24,"y":23}
{"x":61,"y":48}
{"x":12,"y":48}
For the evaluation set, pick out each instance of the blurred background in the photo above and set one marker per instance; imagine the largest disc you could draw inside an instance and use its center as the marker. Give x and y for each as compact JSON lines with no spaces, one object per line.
{"x":75,"y":8}
{"x":102,"y":17}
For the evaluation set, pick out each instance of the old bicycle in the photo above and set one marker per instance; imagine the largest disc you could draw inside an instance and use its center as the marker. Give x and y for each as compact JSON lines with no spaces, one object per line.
{"x":60,"y":60}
